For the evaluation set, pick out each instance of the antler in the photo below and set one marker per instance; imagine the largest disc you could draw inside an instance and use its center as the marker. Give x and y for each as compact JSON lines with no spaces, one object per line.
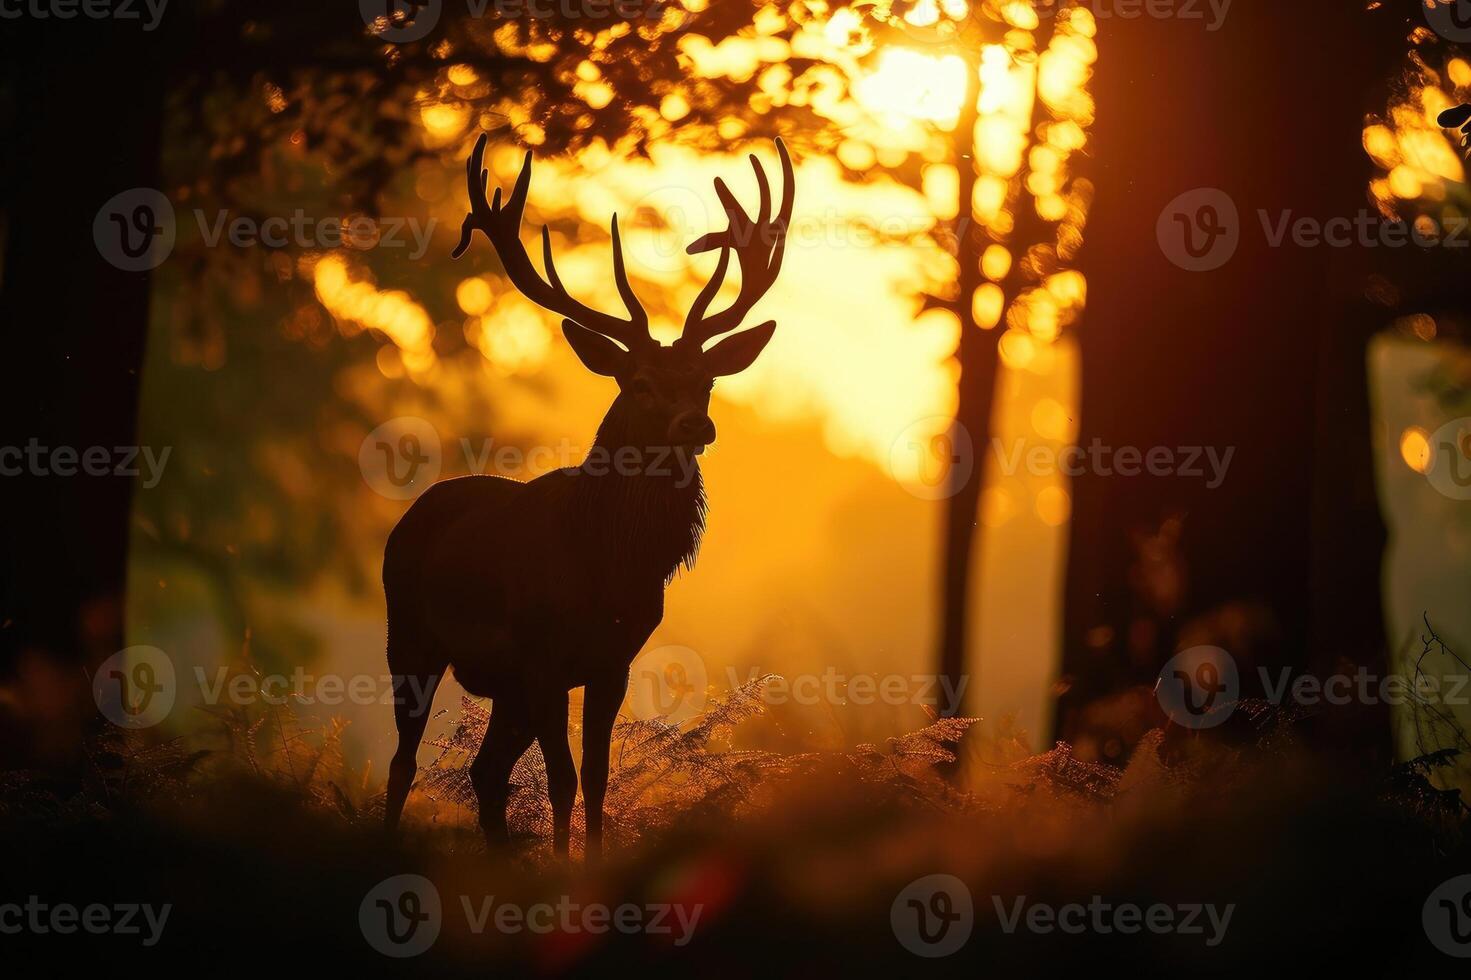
{"x":502,"y":225}
{"x":758,"y":245}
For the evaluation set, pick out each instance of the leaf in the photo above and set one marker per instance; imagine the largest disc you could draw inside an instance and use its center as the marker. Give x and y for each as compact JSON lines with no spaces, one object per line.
{"x":343,"y":803}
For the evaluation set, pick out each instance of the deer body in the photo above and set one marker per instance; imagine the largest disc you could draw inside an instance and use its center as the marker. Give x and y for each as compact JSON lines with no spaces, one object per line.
{"x":528,"y":590}
{"x":539,"y":602}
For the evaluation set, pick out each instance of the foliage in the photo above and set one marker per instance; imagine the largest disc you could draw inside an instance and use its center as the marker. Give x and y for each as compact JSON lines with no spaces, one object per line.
{"x":663,"y":774}
{"x":668,"y":780}
{"x":1441,"y":742}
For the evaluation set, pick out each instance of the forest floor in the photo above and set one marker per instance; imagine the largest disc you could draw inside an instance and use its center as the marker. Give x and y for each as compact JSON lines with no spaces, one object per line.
{"x":266,"y":847}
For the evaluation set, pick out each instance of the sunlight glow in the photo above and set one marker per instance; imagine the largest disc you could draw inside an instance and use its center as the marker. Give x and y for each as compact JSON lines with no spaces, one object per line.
{"x":1050,"y":420}
{"x":920,"y":86}
{"x":360,"y":305}
{"x":891,"y":365}
{"x":473,"y":295}
{"x":987,"y":304}
{"x":736,"y":58}
{"x":515,"y":340}
{"x":1419,"y":160}
{"x":996,"y":507}
{"x":896,"y":107}
{"x":842,"y":27}
{"x":1414,"y":448}
{"x":1053,"y":506}
{"x":995,"y":262}
{"x":444,"y":120}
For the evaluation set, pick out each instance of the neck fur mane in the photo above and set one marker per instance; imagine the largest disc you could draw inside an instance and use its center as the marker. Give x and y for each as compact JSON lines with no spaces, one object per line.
{"x":647,"y":520}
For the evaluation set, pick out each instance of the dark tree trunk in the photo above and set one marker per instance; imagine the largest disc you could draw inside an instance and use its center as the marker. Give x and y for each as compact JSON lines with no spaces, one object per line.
{"x":85,"y":100}
{"x":1258,"y":357}
{"x":977,"y":387}
{"x":980,"y":367}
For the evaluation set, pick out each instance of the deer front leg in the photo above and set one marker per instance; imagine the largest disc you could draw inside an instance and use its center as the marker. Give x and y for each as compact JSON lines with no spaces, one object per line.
{"x":600,"y":706}
{"x":551,"y":734}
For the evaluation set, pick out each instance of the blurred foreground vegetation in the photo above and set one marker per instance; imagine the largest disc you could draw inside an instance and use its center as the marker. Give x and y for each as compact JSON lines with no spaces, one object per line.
{"x":266,"y":842}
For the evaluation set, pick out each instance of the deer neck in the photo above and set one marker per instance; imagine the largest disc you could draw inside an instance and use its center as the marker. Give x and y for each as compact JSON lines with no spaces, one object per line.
{"x":643,"y":506}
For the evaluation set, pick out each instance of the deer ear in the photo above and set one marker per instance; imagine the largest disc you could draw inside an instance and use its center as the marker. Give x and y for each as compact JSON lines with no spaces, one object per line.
{"x":735,"y":354}
{"x":597,"y":353}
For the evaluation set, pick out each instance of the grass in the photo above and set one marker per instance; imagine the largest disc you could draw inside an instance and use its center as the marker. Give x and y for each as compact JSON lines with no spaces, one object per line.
{"x":266,"y":843}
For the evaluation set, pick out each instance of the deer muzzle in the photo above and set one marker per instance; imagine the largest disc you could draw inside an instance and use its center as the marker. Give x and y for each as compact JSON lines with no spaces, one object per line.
{"x":693,"y":430}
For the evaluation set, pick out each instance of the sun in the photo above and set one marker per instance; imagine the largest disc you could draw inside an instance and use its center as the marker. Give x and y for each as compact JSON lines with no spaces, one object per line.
{"x":918,"y":86}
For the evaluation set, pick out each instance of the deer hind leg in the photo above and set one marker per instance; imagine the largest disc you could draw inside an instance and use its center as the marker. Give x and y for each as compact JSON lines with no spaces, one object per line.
{"x":551,"y":735}
{"x":415,"y":679}
{"x":507,"y":736}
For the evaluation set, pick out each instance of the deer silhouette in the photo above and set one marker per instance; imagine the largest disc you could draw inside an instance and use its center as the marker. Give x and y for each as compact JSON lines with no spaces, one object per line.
{"x":528,"y":590}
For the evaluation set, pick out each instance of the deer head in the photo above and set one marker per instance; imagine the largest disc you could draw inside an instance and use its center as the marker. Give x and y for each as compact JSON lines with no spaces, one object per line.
{"x":664,"y":392}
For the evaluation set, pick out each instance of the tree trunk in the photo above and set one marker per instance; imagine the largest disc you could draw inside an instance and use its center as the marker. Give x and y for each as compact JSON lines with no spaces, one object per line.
{"x":86,"y":101}
{"x":1249,"y":358}
{"x":977,"y":387}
